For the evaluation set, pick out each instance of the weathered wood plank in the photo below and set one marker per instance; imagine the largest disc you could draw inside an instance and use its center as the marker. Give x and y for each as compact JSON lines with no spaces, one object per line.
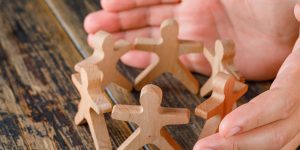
{"x":71,"y":15}
{"x":37,"y":98}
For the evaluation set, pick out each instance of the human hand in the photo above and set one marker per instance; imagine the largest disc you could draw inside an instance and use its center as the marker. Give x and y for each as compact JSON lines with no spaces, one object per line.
{"x":269,"y":121}
{"x":264,"y":31}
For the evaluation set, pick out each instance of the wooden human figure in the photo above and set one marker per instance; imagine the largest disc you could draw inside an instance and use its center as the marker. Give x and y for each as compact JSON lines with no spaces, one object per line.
{"x":226,"y":92}
{"x":106,"y":55}
{"x":168,"y":48}
{"x":150,"y":117}
{"x":93,"y":104}
{"x":221,"y":60}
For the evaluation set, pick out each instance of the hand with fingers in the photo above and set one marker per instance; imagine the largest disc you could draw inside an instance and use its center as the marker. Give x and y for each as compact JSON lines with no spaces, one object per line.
{"x":269,"y":121}
{"x":264,"y":32}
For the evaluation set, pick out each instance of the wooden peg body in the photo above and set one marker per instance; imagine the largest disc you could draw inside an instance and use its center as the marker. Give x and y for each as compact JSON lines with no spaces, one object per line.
{"x":221,"y":60}
{"x":168,"y":48}
{"x":93,"y":104}
{"x":106,"y":55}
{"x":226,"y":92}
{"x":150,"y":117}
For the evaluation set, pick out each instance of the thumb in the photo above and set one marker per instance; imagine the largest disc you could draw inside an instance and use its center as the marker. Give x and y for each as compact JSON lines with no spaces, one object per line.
{"x":297,"y":15}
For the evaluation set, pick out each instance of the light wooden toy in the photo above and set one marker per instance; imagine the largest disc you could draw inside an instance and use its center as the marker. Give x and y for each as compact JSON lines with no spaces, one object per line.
{"x":168,"y":48}
{"x":221,"y":60}
{"x":226,"y":92}
{"x":106,"y":55}
{"x":93,"y":104}
{"x":150,"y":117}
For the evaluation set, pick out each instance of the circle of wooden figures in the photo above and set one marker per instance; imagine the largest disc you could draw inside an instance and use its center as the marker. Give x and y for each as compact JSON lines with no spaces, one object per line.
{"x":99,"y":70}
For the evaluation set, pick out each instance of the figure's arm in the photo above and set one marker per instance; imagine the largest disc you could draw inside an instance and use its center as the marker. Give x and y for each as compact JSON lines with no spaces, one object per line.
{"x":126,"y":113}
{"x":210,"y":108}
{"x":186,"y":47}
{"x":122,"y":46}
{"x":146,"y":44}
{"x":175,"y":116}
{"x":209,"y":56}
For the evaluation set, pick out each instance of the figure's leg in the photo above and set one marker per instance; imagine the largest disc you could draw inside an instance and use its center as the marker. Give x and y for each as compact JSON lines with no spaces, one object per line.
{"x":207,"y":87}
{"x":180,"y":72}
{"x":146,"y":77}
{"x":134,"y":142}
{"x":210,"y":127}
{"x":166,"y":142}
{"x":79,"y":119}
{"x":99,"y":130}
{"x":123,"y":81}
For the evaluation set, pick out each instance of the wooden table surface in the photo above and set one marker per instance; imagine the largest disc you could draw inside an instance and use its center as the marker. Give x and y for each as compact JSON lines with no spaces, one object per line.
{"x":40,"y":41}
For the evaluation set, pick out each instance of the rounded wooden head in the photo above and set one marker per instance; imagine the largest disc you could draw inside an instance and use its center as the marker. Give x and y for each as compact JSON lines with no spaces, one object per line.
{"x":169,"y":28}
{"x":91,"y":77}
{"x":151,"y":95}
{"x":103,"y":41}
{"x":225,"y":49}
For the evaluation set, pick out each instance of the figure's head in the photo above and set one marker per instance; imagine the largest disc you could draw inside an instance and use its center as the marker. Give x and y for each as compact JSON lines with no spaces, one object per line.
{"x":91,"y":77}
{"x":151,"y":96}
{"x":169,"y":28}
{"x":103,"y":41}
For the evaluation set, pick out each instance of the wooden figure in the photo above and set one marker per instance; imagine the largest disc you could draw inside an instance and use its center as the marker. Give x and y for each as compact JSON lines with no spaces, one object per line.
{"x":93,"y":104}
{"x":150,"y":117}
{"x":226,"y":92}
{"x":168,"y":48}
{"x":221,"y":60}
{"x":106,"y":55}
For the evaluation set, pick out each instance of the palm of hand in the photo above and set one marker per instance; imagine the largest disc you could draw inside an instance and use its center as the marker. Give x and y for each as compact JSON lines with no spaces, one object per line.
{"x":259,"y":29}
{"x":264,"y":31}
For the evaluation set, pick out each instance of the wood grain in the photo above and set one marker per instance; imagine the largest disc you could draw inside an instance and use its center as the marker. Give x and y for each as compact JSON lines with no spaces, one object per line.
{"x":71,"y":15}
{"x":37,"y":100}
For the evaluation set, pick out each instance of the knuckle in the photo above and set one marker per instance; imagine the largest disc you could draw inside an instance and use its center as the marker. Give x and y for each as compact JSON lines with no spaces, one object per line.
{"x":278,"y":138}
{"x":288,"y":107}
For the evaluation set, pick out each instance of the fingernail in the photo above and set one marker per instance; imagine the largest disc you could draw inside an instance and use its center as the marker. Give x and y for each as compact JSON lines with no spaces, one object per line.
{"x":297,"y":11}
{"x":233,"y":131}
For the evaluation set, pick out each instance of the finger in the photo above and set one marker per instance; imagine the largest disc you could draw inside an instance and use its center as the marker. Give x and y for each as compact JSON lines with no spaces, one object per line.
{"x":121,"y":5}
{"x":138,"y":59}
{"x":268,"y":107}
{"x":196,"y":63}
{"x":294,"y":144}
{"x":126,"y":20}
{"x":297,"y":11}
{"x":297,"y":14}
{"x":130,"y":35}
{"x":272,"y":136}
